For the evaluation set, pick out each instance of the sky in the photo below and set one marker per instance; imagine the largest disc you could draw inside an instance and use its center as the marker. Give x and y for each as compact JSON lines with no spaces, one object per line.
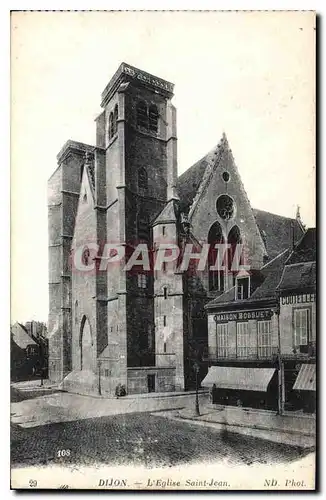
{"x":250,"y":75}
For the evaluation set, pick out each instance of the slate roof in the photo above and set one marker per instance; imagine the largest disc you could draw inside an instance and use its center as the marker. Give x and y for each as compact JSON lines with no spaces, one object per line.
{"x":189,"y":182}
{"x":300,"y":268}
{"x":271,"y":274}
{"x":298,"y":277}
{"x":20,"y":336}
{"x":277,"y":231}
{"x":305,"y":250}
{"x":279,"y":274}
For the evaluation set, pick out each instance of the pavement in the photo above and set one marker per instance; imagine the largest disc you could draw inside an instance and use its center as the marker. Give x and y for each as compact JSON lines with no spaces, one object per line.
{"x":286,"y":429}
{"x":34,"y":405}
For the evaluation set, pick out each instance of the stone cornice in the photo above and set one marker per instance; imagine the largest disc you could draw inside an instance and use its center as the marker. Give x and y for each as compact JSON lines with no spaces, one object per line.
{"x":76,"y":148}
{"x":127,"y":73}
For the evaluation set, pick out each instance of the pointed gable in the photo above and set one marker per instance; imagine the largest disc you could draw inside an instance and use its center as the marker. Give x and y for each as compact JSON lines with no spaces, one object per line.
{"x":168,"y":214}
{"x":276,"y":232}
{"x":85,"y":222}
{"x":20,"y":336}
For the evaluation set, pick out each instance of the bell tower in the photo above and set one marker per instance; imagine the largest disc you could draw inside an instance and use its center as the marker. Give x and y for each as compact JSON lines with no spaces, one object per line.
{"x":137,"y":130}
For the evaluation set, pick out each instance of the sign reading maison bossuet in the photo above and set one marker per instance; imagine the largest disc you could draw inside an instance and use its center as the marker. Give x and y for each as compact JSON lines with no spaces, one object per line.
{"x":240,"y":315}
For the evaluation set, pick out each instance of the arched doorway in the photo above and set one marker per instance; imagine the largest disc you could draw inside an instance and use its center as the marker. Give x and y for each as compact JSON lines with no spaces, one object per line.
{"x":86,"y":345}
{"x":215,"y":277}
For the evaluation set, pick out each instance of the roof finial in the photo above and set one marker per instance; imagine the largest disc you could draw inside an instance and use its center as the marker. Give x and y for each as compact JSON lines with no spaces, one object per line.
{"x":298,"y":216}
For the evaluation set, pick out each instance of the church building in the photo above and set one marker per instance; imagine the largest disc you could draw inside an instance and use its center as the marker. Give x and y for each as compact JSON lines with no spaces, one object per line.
{"x":143,"y":330}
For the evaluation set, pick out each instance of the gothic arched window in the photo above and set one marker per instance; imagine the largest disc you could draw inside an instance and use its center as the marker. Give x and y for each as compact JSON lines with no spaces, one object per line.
{"x":215,"y":258}
{"x":142,"y":181}
{"x":115,"y":120}
{"x":153,"y":118}
{"x":234,"y":253}
{"x":142,"y":114}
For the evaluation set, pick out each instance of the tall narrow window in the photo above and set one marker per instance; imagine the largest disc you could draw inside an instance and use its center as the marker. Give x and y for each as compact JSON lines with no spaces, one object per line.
{"x":243,"y":340}
{"x":165,"y":292}
{"x":142,"y":181}
{"x":215,"y":258}
{"x":142,"y":281}
{"x":264,"y":339}
{"x":153,"y":118}
{"x":164,"y":320}
{"x":234,"y":251}
{"x":164,"y":347}
{"x":301,"y":327}
{"x":115,"y":120}
{"x":111,"y":126}
{"x":143,"y":227}
{"x":76,"y":311}
{"x":163,"y":230}
{"x":151,"y":346}
{"x":142,"y":114}
{"x":222,"y":340}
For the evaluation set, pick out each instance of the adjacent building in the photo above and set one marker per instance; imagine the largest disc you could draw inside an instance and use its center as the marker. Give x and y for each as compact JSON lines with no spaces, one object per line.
{"x":262,"y":335}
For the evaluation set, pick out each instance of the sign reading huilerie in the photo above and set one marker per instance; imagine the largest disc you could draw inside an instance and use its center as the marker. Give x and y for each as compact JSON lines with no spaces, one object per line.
{"x":243,"y":316}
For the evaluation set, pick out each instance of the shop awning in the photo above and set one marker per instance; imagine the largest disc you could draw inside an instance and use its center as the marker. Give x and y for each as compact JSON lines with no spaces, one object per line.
{"x":306,"y":379}
{"x":242,"y":379}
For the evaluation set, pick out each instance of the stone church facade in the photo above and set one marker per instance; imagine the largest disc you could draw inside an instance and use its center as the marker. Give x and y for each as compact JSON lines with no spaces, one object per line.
{"x":143,"y":329}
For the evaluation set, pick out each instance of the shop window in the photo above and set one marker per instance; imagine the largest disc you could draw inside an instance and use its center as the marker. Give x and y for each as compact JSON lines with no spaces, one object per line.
{"x":222,"y":340}
{"x":142,"y":281}
{"x":301,"y":327}
{"x":242,"y":340}
{"x":264,"y":339}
